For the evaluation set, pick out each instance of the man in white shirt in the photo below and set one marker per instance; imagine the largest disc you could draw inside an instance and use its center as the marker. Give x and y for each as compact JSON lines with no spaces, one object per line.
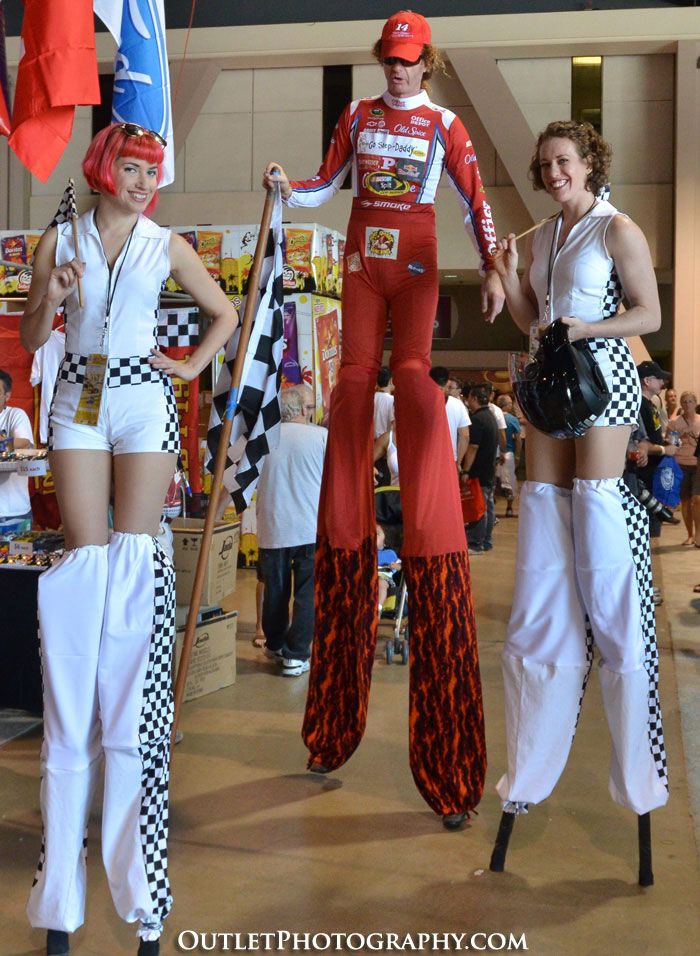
{"x":287,"y":512}
{"x":383,"y":403}
{"x":501,"y":422}
{"x":14,"y":425}
{"x":457,"y":415}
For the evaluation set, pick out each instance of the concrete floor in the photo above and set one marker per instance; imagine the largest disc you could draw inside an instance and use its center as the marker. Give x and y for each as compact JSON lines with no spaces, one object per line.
{"x":259,"y":846}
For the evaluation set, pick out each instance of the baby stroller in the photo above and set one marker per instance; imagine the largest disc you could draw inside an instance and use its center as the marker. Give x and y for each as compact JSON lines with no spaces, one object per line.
{"x":387,"y":504}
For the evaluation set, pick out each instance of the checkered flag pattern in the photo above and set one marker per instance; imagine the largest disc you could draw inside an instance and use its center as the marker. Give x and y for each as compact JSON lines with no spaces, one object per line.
{"x":256,"y":424}
{"x":638,"y":527}
{"x":67,"y":209}
{"x":178,"y":328}
{"x":154,"y":735}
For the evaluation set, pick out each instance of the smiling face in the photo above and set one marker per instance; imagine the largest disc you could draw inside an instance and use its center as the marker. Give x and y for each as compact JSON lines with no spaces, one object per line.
{"x":403,"y":79}
{"x":135,"y":182}
{"x":564,"y":173}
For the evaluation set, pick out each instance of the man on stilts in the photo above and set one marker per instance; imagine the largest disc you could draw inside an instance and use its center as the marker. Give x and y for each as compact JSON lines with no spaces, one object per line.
{"x":399,"y":144}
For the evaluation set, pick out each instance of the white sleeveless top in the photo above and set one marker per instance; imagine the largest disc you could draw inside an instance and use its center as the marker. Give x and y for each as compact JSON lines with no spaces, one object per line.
{"x":142,"y":267}
{"x":582,"y":272}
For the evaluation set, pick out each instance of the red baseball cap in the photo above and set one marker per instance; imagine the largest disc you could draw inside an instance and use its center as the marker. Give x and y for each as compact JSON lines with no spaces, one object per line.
{"x":404,"y":35}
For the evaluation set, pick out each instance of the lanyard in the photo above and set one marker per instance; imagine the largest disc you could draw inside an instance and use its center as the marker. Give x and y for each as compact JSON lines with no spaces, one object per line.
{"x":112,"y":288}
{"x":554,"y":254}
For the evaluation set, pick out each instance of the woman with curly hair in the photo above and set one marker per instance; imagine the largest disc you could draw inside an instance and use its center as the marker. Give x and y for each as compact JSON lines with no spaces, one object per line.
{"x":583,"y":567}
{"x":398,"y":145}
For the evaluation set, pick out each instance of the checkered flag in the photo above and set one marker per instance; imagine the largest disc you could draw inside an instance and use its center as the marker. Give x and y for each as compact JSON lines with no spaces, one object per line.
{"x":255,"y":430}
{"x":178,"y":328}
{"x":67,"y":210}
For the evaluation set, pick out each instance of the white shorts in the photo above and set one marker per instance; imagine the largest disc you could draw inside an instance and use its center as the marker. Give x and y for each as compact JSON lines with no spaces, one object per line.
{"x":138,"y":411}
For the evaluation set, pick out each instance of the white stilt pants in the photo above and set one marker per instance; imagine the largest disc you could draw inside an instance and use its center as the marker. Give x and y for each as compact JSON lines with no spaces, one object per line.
{"x":586,"y":551}
{"x":106,"y":626}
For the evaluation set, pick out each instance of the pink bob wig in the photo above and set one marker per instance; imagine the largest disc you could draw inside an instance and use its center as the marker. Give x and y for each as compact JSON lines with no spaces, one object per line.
{"x":107,"y":146}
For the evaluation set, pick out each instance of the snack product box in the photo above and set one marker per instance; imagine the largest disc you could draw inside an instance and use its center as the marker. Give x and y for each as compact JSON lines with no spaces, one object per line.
{"x":313,"y":256}
{"x":220,"y":578}
{"x":213,"y":658}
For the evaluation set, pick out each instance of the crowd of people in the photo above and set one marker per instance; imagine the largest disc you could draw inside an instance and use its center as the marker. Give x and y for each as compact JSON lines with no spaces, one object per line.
{"x":583,"y":576}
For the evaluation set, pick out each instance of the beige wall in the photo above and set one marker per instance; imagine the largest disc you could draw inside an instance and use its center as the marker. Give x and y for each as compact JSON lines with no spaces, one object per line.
{"x":263,"y":101}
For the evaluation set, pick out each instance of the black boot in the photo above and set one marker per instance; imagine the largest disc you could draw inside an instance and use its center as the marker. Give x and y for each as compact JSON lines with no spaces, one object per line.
{"x":57,"y":943}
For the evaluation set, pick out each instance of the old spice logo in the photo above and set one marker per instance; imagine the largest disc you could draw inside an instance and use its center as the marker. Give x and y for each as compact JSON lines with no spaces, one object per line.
{"x":381,"y":243}
{"x":409,"y":130}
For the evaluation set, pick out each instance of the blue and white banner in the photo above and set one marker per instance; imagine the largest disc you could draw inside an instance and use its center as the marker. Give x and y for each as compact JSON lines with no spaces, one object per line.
{"x":141,"y":77}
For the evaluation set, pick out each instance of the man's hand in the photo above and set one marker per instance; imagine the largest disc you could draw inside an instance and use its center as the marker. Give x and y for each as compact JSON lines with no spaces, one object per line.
{"x":492,"y":297}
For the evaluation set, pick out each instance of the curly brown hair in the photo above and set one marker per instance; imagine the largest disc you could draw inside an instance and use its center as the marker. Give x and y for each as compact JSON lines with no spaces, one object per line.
{"x":589,"y":144}
{"x":431,"y":56}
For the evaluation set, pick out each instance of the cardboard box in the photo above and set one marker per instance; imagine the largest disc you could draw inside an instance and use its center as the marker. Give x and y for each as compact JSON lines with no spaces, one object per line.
{"x":220,"y":578}
{"x":213,"y":658}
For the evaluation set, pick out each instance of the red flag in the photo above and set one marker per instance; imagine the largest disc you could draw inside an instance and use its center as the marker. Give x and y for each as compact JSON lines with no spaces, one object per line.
{"x":57,"y":71}
{"x":4,"y":96}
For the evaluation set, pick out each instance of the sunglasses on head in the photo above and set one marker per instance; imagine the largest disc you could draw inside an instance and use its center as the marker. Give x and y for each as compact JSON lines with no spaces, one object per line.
{"x":133,"y":129}
{"x":393,"y":60}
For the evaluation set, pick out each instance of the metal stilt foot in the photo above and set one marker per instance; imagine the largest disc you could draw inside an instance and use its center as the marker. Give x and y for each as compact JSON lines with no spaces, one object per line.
{"x":505,"y":828}
{"x":646,"y":874}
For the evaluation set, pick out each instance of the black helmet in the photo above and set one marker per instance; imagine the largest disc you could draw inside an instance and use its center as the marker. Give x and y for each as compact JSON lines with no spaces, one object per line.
{"x":562,"y":389}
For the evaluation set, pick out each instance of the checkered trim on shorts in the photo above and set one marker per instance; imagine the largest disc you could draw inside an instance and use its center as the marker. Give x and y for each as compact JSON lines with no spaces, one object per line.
{"x":625,"y":390}
{"x":637,"y":519}
{"x":154,"y":735}
{"x":133,"y":370}
{"x":72,"y":369}
{"x":171,"y":441}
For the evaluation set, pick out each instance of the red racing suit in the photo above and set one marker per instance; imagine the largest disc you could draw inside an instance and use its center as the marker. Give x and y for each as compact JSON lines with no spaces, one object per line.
{"x":398,"y":149}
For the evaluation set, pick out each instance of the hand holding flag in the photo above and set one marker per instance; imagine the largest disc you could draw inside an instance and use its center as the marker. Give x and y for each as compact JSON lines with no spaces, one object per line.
{"x":68,"y":212}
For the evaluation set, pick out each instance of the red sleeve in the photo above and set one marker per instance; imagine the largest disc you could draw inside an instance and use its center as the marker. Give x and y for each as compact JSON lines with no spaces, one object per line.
{"x":334,"y":168}
{"x":463,"y":173}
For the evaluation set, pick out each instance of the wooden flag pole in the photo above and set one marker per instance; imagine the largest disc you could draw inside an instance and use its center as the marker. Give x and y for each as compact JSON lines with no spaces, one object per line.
{"x":220,"y":463}
{"x":536,"y":226}
{"x":74,"y":221}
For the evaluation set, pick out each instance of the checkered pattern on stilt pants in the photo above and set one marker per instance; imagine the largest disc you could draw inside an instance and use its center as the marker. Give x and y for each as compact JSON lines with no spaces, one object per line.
{"x":154,"y":735}
{"x":590,"y":652}
{"x":638,"y":526}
